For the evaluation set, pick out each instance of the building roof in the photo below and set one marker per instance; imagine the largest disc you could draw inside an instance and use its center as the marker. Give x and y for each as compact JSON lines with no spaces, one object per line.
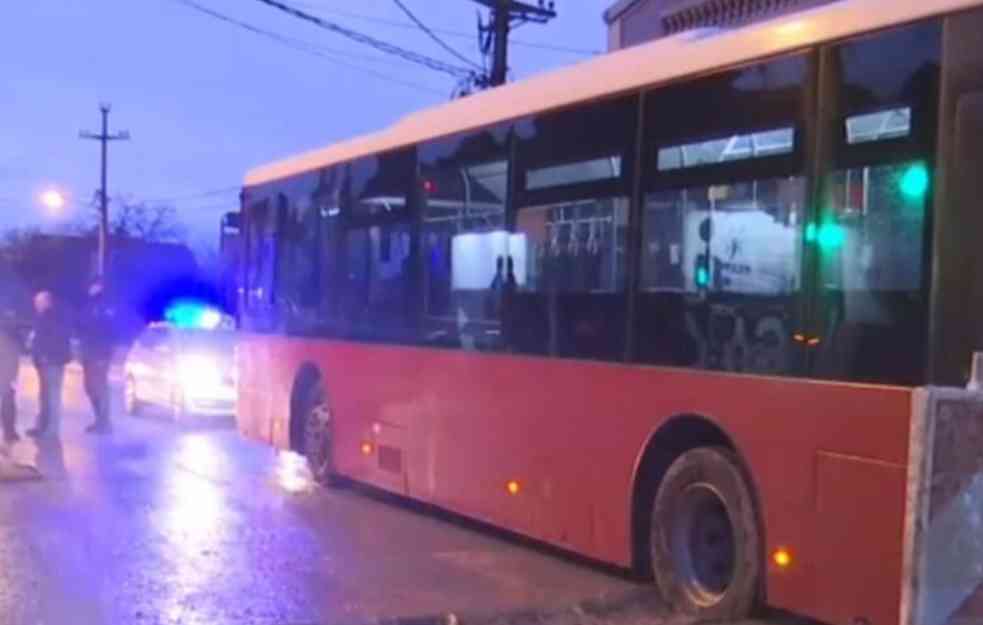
{"x":690,"y":53}
{"x":617,"y":9}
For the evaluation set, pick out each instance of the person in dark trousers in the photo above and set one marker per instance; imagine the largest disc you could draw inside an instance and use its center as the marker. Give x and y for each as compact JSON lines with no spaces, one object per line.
{"x":51,"y":351}
{"x":10,"y":350}
{"x":97,"y":334}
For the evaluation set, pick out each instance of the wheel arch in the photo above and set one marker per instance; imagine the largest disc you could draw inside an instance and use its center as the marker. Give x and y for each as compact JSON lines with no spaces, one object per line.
{"x":307,"y":376}
{"x":674,"y":437}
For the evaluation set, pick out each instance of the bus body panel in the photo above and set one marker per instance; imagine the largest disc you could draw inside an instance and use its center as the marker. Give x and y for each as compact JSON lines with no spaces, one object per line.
{"x":459,"y":429}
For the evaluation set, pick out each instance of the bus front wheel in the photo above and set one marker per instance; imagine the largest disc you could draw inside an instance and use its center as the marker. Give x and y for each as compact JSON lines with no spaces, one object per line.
{"x":704,"y":539}
{"x":319,"y":436}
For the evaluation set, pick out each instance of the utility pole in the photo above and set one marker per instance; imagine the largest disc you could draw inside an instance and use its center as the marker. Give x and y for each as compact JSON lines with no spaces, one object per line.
{"x":506,"y":15}
{"x":104,"y":138}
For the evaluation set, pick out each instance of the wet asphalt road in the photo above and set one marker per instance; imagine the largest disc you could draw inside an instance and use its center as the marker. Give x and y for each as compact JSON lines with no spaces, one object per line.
{"x":160,"y":523}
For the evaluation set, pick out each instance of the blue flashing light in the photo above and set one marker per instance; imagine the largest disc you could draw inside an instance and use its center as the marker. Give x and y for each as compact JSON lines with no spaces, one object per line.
{"x":193,"y":315}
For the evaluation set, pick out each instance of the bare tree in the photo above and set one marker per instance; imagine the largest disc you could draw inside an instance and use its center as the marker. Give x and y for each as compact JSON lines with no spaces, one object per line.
{"x":131,"y":219}
{"x":148,"y":222}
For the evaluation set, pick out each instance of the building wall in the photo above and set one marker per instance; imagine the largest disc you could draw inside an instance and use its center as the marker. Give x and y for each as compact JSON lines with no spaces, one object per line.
{"x":631,"y":22}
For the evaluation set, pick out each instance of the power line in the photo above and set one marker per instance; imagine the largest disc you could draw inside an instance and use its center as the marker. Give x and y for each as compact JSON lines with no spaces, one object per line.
{"x":331,"y":56}
{"x":444,"y":31}
{"x":195,"y":195}
{"x":388,"y":48}
{"x":440,"y":42}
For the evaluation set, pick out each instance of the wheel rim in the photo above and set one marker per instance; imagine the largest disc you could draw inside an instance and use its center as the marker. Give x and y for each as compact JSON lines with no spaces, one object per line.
{"x":704,"y":545}
{"x":318,"y":439}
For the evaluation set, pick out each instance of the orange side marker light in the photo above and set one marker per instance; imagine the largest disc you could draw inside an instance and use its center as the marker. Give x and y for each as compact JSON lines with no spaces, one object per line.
{"x":782,"y":558}
{"x":367,"y":448}
{"x":513,"y":487}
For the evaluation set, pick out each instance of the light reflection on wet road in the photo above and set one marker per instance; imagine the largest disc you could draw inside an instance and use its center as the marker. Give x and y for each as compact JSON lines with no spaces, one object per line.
{"x":166,"y":524}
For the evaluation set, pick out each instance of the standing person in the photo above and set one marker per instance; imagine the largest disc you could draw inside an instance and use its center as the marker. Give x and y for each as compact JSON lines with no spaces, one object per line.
{"x":97,"y":331}
{"x":10,"y":349}
{"x":51,"y":351}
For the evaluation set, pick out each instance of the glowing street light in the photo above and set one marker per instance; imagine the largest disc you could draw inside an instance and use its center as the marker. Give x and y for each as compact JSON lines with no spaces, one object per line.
{"x":53,"y":200}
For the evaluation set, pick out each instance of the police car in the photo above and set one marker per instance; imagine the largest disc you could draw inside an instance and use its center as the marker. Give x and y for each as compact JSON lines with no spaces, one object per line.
{"x":184,"y":365}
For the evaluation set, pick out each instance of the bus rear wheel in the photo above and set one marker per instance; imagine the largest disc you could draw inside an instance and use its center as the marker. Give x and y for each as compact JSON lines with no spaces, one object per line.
{"x":319,"y":436}
{"x":704,"y":538}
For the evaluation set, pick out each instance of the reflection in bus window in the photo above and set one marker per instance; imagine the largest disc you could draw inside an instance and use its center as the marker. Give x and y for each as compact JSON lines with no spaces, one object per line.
{"x":880,"y":126}
{"x":733,"y":148}
{"x":871,"y":268}
{"x":720,"y":274}
{"x":377,"y":287}
{"x":570,"y":275}
{"x":577,"y":246}
{"x":463,"y":235}
{"x":260,"y":277}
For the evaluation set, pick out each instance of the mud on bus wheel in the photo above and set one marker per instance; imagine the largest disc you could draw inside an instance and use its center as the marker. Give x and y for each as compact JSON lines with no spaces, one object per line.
{"x":704,"y":539}
{"x":318,"y":442}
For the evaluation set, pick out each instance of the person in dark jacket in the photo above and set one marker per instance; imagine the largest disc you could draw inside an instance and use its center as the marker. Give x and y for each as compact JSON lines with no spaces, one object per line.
{"x":51,"y":351}
{"x":10,"y":350}
{"x":97,"y":334}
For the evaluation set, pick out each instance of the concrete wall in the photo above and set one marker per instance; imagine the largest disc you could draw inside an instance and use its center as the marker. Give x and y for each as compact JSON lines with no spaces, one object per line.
{"x":943,"y":572}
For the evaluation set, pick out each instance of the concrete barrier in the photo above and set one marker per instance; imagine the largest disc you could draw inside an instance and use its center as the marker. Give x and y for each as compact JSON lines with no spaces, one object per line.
{"x":943,"y":571}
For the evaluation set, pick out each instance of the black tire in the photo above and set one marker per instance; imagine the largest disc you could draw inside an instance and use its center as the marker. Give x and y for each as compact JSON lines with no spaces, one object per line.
{"x":705,"y":540}
{"x":318,"y":441}
{"x":131,"y":401}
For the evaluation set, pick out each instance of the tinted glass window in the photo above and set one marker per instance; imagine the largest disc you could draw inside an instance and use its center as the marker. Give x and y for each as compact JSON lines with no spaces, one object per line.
{"x":733,"y":148}
{"x":721,"y":272}
{"x":893,"y":123}
{"x":872,"y":231}
{"x":464,"y":183}
{"x":577,"y":153}
{"x":377,"y":302}
{"x":297,"y":288}
{"x":378,"y":249}
{"x":872,"y":273}
{"x":380,"y":185}
{"x":721,"y":259}
{"x":565,"y":272}
{"x":901,"y":65}
{"x":261,"y":245}
{"x":750,"y":99}
{"x":593,"y":170}
{"x":566,"y":278}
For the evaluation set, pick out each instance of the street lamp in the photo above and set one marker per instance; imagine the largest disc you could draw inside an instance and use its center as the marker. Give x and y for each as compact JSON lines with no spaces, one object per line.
{"x":53,"y":200}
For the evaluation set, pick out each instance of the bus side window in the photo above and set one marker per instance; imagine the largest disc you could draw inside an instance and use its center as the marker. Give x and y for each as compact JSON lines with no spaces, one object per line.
{"x":871,"y":234}
{"x":463,"y":184}
{"x":378,"y":286}
{"x":567,"y":290}
{"x":720,"y":281}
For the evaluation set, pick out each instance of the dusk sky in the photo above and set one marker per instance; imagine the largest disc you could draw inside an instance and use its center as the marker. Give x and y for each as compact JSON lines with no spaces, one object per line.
{"x":204,"y":100}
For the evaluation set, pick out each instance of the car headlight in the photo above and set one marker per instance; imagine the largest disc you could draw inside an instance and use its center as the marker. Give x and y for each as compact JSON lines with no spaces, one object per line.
{"x":199,"y":375}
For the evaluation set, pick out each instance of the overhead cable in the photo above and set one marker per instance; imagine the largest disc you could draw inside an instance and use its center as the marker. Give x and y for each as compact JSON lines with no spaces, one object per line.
{"x":430,"y":33}
{"x":443,"y":31}
{"x":378,"y":44}
{"x":336,"y":57}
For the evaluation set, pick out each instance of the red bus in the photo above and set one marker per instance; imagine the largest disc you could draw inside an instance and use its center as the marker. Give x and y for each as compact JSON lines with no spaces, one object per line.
{"x":670,"y":308}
